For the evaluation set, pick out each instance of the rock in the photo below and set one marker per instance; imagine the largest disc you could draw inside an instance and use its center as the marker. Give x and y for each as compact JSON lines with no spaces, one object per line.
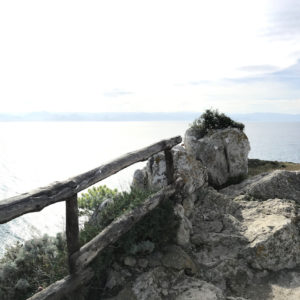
{"x":142,"y":248}
{"x":232,"y":275}
{"x":148,"y":286}
{"x":191,"y":171}
{"x":273,"y":234}
{"x":277,"y":184}
{"x":286,"y":286}
{"x":223,"y":152}
{"x":129,"y":261}
{"x":283,"y":285}
{"x":178,"y":259}
{"x":126,"y":293}
{"x":114,"y":279}
{"x":195,"y":289}
{"x":143,"y":263}
{"x":155,"y":259}
{"x":140,"y":179}
{"x":188,"y":204}
{"x":159,"y":283}
{"x":94,"y":218}
{"x":184,"y":228}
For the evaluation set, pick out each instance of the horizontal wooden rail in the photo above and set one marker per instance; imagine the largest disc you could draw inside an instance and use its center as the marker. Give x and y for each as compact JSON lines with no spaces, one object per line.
{"x":59,"y":191}
{"x":64,"y":287}
{"x":117,"y":228}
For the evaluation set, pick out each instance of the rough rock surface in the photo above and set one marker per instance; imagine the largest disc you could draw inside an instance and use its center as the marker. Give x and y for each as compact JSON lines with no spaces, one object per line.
{"x":238,"y":243}
{"x":161,"y":283}
{"x":192,"y":172}
{"x":277,"y":184}
{"x":237,"y":250}
{"x":224,"y":152}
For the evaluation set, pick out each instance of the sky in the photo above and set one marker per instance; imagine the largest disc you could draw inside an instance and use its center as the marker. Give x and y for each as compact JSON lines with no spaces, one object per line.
{"x":238,"y":56}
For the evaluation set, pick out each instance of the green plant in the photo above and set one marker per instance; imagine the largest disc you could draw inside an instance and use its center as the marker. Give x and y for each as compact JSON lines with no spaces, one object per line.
{"x":34,"y":264}
{"x":90,"y":201}
{"x":121,"y":202}
{"x":154,"y":231}
{"x":212,"y":119}
{"x":39,"y":262}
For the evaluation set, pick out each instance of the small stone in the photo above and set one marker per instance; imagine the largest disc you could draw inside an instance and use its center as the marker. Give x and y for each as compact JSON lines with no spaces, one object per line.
{"x":130,"y":261}
{"x":116,"y":266}
{"x":143,"y":262}
{"x":164,"y":292}
{"x":188,"y":205}
{"x":155,"y":259}
{"x":177,"y":259}
{"x":184,"y":228}
{"x":113,"y":279}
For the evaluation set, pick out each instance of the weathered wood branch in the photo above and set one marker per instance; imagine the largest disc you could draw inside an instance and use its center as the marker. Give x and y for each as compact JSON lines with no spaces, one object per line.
{"x":116,"y":229}
{"x":60,"y":191}
{"x":72,"y":229}
{"x":64,"y":287}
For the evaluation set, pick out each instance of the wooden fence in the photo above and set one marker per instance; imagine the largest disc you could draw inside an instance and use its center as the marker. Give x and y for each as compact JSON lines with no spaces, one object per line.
{"x":80,"y":258}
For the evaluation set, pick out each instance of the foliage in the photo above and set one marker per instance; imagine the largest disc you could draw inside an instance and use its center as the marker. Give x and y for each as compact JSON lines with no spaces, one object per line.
{"x":37,"y":263}
{"x":91,"y":200}
{"x":212,"y":119}
{"x":42,"y":261}
{"x":155,"y":230}
{"x":158,"y":227}
{"x":104,"y":215}
{"x":257,"y":166}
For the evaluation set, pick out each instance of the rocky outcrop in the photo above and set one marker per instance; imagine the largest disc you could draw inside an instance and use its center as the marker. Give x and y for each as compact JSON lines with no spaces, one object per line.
{"x":277,"y":184}
{"x":224,"y":152}
{"x":236,"y":243}
{"x":167,"y":280}
{"x":190,"y":170}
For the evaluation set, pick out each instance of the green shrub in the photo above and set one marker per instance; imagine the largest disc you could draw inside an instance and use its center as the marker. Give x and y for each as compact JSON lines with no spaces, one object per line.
{"x":39,"y":262}
{"x":212,"y":119}
{"x":91,"y":200}
{"x":36,"y":263}
{"x":121,"y":202}
{"x":154,"y":231}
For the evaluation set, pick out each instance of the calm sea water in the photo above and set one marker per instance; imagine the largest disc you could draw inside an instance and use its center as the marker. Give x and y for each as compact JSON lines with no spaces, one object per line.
{"x":36,"y":154}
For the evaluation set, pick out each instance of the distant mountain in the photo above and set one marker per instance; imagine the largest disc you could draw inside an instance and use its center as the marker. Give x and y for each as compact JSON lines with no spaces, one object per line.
{"x":266,"y":117}
{"x":91,"y":117}
{"x":138,"y":116}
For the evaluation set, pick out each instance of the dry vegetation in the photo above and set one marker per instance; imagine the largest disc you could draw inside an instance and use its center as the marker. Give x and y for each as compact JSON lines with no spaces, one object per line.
{"x":257,"y":166}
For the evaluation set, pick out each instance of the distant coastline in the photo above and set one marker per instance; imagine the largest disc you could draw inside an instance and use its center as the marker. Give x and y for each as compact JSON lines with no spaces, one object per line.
{"x":137,"y":116}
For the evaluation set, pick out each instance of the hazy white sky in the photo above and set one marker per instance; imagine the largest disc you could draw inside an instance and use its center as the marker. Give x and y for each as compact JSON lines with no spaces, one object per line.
{"x":235,"y":55}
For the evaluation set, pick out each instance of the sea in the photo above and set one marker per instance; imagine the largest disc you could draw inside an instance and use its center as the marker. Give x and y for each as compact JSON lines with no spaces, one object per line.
{"x":34,"y":154}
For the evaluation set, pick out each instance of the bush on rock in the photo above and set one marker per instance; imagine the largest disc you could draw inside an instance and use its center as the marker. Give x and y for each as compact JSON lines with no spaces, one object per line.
{"x":212,"y":119}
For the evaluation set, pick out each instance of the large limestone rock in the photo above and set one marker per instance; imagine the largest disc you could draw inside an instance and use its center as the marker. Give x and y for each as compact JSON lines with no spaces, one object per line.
{"x":224,"y":152}
{"x":273,"y":234}
{"x":236,"y":239}
{"x":159,"y":283}
{"x":237,"y":247}
{"x":192,"y":172}
{"x":277,"y":184}
{"x":195,"y":289}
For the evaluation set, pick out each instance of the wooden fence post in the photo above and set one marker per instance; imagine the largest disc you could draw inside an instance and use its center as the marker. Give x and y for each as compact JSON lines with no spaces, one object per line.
{"x":72,"y":230}
{"x":169,"y":166}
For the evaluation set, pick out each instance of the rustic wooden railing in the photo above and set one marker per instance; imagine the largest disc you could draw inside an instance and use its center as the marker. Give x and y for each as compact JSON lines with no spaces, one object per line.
{"x":80,"y":258}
